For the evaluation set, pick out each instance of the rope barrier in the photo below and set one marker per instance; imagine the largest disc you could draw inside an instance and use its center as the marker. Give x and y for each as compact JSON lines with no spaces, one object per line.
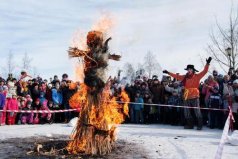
{"x":40,"y":111}
{"x":120,"y":102}
{"x":176,"y":106}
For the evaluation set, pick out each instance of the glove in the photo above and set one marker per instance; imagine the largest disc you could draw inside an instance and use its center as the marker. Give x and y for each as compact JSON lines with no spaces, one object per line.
{"x":165,"y":71}
{"x":209,"y":60}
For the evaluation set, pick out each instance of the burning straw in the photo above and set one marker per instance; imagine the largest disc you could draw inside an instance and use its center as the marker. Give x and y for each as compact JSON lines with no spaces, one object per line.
{"x":95,"y":133}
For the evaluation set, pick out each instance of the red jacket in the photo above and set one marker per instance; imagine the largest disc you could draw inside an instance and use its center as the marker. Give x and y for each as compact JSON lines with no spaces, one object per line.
{"x":192,"y":84}
{"x":11,"y":104}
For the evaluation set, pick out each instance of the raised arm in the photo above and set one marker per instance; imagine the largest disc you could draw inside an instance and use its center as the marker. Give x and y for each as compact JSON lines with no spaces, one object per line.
{"x":205,"y":70}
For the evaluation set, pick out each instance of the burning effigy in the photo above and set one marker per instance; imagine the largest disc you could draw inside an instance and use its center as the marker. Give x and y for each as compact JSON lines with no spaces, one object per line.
{"x":100,"y":112}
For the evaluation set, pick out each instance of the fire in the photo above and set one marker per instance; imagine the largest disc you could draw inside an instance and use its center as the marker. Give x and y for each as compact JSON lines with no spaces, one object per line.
{"x":103,"y":120}
{"x":100,"y":113}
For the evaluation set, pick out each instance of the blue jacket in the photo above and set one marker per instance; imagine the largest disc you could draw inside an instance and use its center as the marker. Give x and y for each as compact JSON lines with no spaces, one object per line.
{"x":2,"y":101}
{"x":140,"y":105}
{"x":57,"y":97}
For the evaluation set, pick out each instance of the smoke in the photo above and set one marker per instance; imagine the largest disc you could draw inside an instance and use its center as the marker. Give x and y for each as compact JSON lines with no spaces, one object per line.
{"x":79,"y":72}
{"x":79,"y":40}
{"x":104,"y":24}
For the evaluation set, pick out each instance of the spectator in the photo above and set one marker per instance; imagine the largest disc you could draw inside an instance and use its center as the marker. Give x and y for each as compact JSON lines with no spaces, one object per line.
{"x":57,"y":101}
{"x":45,"y":117}
{"x":235,"y":103}
{"x":138,"y":108}
{"x":175,"y":114}
{"x":215,"y":101}
{"x":148,"y":109}
{"x":207,"y":89}
{"x":56,"y":80}
{"x":11,"y":104}
{"x":158,"y":95}
{"x":27,"y":118}
{"x":2,"y":104}
{"x":35,"y":92}
{"x":67,"y":93}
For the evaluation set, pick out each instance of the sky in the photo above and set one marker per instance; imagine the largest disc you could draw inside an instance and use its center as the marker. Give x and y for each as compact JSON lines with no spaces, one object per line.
{"x":177,"y":32}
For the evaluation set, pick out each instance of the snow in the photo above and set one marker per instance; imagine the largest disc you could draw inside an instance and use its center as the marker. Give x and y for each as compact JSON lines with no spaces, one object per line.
{"x":159,"y":141}
{"x":233,"y":138}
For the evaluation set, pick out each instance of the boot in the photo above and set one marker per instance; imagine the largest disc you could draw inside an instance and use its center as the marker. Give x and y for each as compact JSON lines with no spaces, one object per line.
{"x":199,"y":124}
{"x":189,"y":124}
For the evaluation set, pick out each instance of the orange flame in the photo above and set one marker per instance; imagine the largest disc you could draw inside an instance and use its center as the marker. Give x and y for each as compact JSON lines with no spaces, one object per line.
{"x":104,"y":116}
{"x":100,"y":113}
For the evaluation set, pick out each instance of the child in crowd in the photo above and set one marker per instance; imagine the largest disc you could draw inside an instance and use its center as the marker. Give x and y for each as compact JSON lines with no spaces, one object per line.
{"x":27,"y":118}
{"x":12,"y":105}
{"x":215,"y":101}
{"x":21,"y":105}
{"x":45,"y":117}
{"x":138,"y":108}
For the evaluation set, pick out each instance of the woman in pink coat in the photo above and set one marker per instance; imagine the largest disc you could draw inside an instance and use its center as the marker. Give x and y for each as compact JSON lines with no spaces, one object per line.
{"x":11,"y":104}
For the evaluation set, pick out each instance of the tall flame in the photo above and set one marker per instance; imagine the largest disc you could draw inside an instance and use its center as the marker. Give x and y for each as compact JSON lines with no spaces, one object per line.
{"x":104,"y":24}
{"x":100,"y":112}
{"x":103,"y":119}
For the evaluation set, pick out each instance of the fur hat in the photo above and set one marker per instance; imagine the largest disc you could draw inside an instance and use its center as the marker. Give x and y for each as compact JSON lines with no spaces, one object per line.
{"x":191,"y":67}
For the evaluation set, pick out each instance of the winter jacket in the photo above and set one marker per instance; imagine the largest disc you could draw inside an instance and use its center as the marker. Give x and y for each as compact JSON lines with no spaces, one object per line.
{"x":178,"y":90}
{"x":192,"y":83}
{"x":67,"y":94}
{"x":140,"y":104}
{"x":57,"y":97}
{"x":2,"y":100}
{"x":35,"y":94}
{"x":215,"y":100}
{"x":11,"y":104}
{"x":158,"y":92}
{"x":208,"y":87}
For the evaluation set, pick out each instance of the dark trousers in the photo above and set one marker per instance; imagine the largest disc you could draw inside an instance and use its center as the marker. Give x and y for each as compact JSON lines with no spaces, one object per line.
{"x":188,"y":111}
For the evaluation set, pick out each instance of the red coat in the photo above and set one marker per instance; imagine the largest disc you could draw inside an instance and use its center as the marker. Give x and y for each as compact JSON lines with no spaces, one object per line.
{"x":192,"y":84}
{"x":11,"y":104}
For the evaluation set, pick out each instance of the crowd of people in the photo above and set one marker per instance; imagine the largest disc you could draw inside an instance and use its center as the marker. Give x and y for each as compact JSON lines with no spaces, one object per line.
{"x":29,"y":93}
{"x":151,"y":100}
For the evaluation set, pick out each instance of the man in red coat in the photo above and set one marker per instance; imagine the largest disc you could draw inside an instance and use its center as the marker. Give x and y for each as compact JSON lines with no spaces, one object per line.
{"x":191,"y":81}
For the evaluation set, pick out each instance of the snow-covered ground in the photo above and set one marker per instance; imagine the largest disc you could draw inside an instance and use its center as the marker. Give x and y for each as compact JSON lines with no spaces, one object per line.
{"x":160,"y":141}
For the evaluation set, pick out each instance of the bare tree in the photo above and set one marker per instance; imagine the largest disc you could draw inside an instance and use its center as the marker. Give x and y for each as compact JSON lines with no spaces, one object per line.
{"x":10,"y":63}
{"x":26,"y":62}
{"x":140,"y":69}
{"x":129,"y":71}
{"x":151,"y":65}
{"x":35,"y":71}
{"x":223,"y":46}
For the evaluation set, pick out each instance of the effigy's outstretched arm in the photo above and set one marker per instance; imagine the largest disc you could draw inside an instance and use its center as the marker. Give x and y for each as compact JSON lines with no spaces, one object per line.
{"x":114,"y":57}
{"x":105,"y":45}
{"x":75,"y":52}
